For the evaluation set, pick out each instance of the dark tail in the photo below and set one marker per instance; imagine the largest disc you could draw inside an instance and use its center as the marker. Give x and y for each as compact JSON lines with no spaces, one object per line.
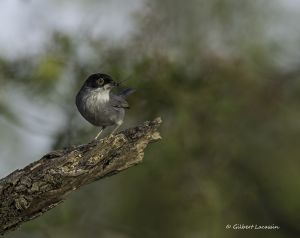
{"x":126,"y":92}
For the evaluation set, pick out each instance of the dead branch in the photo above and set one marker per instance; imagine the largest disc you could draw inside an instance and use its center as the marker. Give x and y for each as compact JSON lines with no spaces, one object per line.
{"x":29,"y":192}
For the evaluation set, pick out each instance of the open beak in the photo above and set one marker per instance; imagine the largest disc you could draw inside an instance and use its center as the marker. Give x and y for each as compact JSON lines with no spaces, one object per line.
{"x":111,"y":85}
{"x":115,"y":84}
{"x":121,"y":82}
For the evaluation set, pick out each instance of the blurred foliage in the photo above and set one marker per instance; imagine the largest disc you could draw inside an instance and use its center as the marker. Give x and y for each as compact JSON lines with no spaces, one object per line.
{"x":230,"y":144}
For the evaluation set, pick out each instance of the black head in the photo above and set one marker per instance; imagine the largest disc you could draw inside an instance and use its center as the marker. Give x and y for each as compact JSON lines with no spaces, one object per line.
{"x":100,"y":80}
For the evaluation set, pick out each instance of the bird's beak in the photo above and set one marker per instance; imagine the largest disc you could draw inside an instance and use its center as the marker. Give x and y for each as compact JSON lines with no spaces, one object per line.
{"x":115,"y":84}
{"x":111,"y":85}
{"x":122,"y":81}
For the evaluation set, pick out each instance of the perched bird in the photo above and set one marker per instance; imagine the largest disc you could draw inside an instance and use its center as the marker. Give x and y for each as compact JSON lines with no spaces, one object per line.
{"x":98,"y":105}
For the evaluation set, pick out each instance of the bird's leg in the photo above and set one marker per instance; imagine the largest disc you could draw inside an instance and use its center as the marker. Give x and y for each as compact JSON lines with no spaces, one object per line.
{"x":97,"y":136}
{"x":114,"y":130}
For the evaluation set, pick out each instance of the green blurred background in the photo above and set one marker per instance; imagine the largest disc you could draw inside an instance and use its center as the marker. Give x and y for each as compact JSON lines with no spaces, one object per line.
{"x":223,"y":75}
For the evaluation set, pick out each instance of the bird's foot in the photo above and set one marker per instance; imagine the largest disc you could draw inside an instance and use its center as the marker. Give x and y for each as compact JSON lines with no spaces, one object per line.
{"x":111,"y":135}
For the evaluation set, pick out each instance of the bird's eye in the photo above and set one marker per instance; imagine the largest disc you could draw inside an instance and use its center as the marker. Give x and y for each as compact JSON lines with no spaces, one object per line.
{"x":100,"y":81}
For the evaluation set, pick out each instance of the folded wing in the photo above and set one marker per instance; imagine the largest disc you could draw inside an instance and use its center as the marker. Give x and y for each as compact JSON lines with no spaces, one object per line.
{"x":119,"y":100}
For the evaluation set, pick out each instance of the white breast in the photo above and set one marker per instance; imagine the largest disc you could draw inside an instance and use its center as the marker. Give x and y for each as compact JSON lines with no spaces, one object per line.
{"x":98,"y":97}
{"x":102,"y":96}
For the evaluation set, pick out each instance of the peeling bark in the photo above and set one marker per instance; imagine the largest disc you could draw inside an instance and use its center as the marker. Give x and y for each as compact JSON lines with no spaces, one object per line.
{"x":29,"y":192}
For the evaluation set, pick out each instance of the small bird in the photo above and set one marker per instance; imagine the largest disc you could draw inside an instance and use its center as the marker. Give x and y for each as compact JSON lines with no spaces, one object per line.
{"x":98,"y":105}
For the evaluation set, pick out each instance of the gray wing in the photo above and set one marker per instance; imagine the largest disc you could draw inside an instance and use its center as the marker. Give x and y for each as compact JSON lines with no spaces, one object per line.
{"x":118,"y":101}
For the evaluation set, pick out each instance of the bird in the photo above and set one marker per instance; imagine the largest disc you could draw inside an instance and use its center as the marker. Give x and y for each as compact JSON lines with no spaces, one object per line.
{"x":99,"y":105}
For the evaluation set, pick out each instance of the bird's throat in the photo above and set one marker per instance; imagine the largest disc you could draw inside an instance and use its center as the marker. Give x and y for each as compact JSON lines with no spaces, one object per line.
{"x":102,"y":96}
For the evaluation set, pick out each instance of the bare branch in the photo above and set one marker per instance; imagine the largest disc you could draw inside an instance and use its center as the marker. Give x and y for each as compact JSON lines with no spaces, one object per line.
{"x":29,"y":192}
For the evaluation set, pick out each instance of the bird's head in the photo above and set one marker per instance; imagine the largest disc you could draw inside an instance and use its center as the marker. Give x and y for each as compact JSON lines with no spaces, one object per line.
{"x":100,"y":81}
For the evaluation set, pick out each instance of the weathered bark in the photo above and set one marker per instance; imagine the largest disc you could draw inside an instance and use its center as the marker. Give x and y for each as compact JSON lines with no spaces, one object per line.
{"x":29,"y":192}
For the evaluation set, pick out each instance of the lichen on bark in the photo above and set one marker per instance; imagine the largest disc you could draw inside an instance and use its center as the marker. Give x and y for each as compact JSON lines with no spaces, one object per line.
{"x":29,"y":192}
